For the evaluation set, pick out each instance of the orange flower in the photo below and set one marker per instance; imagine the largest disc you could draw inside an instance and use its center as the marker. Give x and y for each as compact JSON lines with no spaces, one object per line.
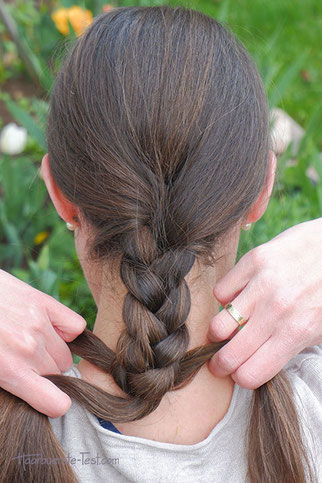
{"x":79,"y":18}
{"x":60,"y":17}
{"x":107,"y":8}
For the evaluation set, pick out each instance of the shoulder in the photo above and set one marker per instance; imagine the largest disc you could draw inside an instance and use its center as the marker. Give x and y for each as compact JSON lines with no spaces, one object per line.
{"x":305,"y":375}
{"x":73,"y":372}
{"x":59,"y":424}
{"x":307,"y":367}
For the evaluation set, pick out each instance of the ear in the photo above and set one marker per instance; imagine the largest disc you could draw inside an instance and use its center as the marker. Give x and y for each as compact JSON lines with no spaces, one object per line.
{"x":259,"y":207}
{"x":65,"y":208}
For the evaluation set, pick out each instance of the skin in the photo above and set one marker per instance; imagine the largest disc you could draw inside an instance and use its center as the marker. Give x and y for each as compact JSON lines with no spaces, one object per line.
{"x":206,"y":399}
{"x":33,"y":333}
{"x":277,"y":286}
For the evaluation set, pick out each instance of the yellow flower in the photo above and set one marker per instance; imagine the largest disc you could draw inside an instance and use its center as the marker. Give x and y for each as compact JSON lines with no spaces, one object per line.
{"x":60,"y":17}
{"x":79,"y":18}
{"x":40,"y":237}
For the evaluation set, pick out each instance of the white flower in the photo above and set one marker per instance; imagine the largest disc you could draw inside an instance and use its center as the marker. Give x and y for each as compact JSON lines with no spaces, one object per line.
{"x":284,"y":131}
{"x":13,"y":139}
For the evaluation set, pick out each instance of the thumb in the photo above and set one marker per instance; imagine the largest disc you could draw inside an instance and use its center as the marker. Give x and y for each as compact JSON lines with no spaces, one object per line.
{"x":67,"y":336}
{"x":67,"y":323}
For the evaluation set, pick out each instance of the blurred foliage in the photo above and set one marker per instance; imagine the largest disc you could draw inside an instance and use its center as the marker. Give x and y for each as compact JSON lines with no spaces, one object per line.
{"x":284,"y":37}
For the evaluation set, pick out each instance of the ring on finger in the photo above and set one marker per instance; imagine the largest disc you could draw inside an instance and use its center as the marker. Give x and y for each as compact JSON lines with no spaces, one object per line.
{"x":236,"y":315}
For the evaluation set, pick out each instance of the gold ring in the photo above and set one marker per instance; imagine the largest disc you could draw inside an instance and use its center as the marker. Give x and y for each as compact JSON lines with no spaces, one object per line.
{"x":236,"y":315}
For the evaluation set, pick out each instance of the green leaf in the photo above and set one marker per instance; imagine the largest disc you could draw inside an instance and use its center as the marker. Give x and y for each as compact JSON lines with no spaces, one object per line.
{"x":43,"y":259}
{"x":72,"y":35}
{"x":40,"y":67}
{"x":285,"y":80}
{"x":223,"y":11}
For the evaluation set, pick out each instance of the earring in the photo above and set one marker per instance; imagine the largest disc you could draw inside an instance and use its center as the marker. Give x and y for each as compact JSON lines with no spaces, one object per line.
{"x":246,"y":226}
{"x":70,"y":226}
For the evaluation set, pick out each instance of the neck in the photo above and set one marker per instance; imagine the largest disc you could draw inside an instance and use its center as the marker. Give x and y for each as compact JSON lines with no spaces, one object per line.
{"x":109,"y":296}
{"x":109,"y":291}
{"x":205,"y":400}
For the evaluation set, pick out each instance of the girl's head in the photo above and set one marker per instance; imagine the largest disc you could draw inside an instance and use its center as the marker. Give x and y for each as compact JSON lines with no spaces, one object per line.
{"x":158,"y":137}
{"x":158,"y":141}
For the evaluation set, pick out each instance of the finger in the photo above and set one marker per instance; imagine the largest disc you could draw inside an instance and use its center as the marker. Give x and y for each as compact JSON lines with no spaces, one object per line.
{"x":223,"y":325}
{"x":41,"y":394}
{"x":264,"y":364}
{"x":239,"y":349}
{"x":58,"y":349}
{"x":44,"y":363}
{"x":67,"y":323}
{"x":235,"y":280}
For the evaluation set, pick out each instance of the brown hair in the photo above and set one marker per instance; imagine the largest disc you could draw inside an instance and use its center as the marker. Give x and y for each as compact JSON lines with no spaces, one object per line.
{"x":158,"y":131}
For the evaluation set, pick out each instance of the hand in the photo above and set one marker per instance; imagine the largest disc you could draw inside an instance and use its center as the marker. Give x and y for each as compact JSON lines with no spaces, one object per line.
{"x":33,"y":330}
{"x":278,"y":287}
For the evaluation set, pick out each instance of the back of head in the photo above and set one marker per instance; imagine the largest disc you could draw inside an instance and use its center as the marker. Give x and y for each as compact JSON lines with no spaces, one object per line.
{"x":159,"y":121}
{"x":158,"y":132}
